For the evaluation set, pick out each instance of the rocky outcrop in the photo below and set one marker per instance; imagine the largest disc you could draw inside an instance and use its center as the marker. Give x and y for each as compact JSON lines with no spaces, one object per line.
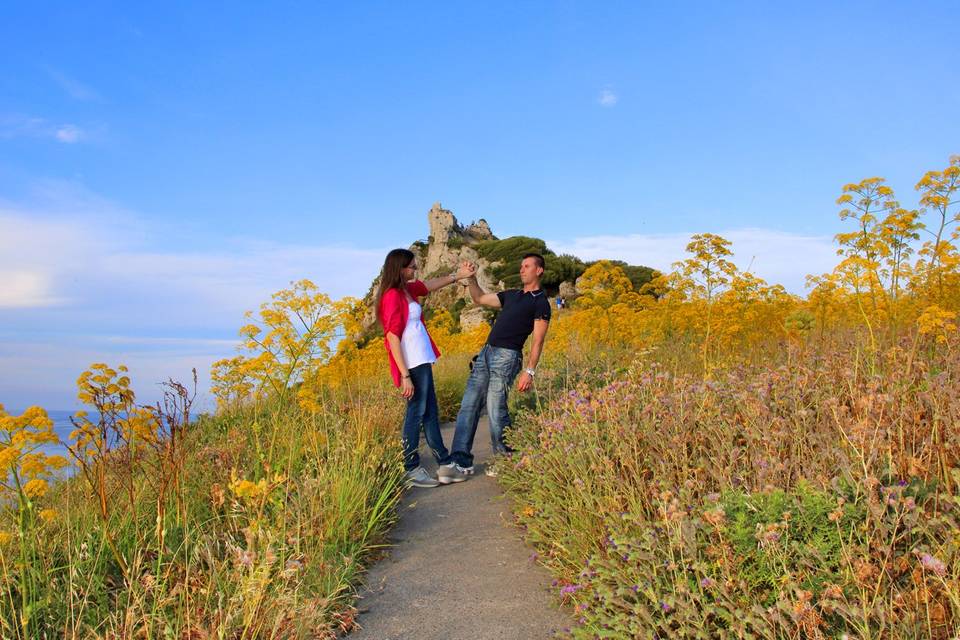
{"x":479,"y":231}
{"x":443,"y":225}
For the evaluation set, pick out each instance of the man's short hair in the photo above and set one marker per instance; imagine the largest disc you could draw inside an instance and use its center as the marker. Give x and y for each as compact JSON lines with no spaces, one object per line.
{"x":539,"y":258}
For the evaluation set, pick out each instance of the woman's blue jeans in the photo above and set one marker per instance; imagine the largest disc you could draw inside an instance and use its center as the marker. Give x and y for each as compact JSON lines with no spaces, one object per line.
{"x":489,"y":383}
{"x":422,"y":411}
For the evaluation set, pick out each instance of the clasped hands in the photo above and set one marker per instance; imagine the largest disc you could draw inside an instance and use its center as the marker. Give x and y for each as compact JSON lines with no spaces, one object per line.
{"x":466,"y":271}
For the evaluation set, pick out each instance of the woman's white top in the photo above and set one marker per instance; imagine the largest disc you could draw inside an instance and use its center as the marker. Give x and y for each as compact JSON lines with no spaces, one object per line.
{"x":415,"y":343}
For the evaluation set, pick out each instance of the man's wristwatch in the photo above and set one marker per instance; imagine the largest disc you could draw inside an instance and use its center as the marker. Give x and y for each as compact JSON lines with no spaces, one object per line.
{"x":530,"y":372}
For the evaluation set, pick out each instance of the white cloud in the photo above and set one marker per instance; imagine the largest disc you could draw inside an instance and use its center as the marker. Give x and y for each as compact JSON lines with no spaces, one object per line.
{"x":82,"y":281}
{"x":73,"y":87}
{"x":23,"y":288}
{"x":607,"y":98}
{"x":779,"y":257}
{"x":96,"y":255}
{"x":12,"y":126}
{"x":69,"y":134}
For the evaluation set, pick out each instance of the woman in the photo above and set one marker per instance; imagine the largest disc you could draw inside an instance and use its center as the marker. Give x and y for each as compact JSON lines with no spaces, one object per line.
{"x":412,"y":353}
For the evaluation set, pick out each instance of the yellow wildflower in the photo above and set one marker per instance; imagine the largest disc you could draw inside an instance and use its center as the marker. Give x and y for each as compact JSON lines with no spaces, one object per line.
{"x":33,"y":465}
{"x":248,"y":488}
{"x":57,"y":462}
{"x":8,"y":456}
{"x":48,"y":515}
{"x":36,"y":487}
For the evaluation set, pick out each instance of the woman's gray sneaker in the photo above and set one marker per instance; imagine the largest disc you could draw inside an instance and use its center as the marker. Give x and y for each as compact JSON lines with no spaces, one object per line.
{"x":447,"y":473}
{"x":420,"y":478}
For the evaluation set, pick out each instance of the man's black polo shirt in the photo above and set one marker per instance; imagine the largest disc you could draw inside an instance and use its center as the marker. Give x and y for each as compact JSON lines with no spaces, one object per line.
{"x":518,"y":311}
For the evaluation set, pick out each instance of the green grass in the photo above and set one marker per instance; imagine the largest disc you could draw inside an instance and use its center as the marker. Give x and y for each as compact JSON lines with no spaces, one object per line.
{"x":282,"y":563}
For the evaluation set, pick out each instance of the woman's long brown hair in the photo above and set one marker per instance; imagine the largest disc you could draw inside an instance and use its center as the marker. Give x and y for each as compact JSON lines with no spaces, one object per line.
{"x":391,"y":277}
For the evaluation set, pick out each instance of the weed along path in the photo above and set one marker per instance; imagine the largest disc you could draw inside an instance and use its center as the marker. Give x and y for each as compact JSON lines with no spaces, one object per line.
{"x":458,"y":569}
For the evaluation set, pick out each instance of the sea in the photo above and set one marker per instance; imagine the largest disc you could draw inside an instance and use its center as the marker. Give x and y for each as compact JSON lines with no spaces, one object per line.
{"x":63,"y":428}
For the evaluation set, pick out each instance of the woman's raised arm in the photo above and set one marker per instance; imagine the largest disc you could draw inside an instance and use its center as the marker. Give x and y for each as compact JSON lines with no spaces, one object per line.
{"x":466,"y":270}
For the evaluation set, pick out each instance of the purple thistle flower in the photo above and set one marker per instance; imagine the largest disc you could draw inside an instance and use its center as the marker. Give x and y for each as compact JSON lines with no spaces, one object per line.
{"x":932,"y":564}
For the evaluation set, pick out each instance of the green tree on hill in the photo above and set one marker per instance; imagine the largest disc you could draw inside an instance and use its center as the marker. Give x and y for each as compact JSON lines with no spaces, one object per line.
{"x":505,"y":256}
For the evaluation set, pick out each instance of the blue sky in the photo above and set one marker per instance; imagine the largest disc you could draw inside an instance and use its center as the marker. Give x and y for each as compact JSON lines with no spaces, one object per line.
{"x":164,"y":168}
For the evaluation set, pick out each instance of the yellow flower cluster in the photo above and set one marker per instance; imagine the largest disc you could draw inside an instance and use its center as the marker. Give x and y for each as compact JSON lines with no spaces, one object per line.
{"x":284,"y":342}
{"x":250,"y":490}
{"x":105,"y":387}
{"x":24,"y":467}
{"x":108,"y":391}
{"x":938,"y":323}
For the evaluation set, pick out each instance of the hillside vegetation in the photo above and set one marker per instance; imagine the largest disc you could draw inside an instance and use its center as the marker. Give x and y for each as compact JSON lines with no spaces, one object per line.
{"x":705,"y":455}
{"x":729,"y":460}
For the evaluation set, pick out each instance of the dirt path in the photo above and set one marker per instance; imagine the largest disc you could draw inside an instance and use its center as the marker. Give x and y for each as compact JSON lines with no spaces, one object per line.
{"x":458,"y":570}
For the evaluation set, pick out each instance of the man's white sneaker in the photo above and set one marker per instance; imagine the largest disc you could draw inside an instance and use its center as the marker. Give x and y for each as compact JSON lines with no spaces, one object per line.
{"x":465,"y":470}
{"x":420,"y":478}
{"x":447,"y":473}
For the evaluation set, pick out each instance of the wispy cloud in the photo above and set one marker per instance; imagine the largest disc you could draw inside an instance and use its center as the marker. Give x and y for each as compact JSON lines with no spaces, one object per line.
{"x":84,"y":281}
{"x":73,"y":87}
{"x":69,"y":133}
{"x":608,"y":98}
{"x":12,"y":126}
{"x":779,"y":257}
{"x":88,"y":258}
{"x":24,"y":288}
{"x":215,"y":343}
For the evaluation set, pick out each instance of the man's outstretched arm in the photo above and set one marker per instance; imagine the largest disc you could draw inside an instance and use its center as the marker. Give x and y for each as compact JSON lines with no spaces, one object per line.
{"x":480,"y":296}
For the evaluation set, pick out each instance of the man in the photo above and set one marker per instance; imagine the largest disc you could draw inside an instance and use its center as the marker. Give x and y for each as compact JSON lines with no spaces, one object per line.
{"x":523,"y":311}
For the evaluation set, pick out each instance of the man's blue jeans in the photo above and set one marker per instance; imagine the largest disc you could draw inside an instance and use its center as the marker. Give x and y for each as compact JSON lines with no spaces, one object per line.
{"x":422,"y":410}
{"x":493,"y":372}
